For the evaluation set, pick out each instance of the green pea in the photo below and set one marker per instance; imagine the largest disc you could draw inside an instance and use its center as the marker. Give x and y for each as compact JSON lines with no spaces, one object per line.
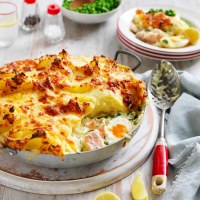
{"x":98,"y":6}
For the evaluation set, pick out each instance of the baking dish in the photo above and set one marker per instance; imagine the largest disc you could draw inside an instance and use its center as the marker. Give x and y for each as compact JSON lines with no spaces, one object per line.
{"x":82,"y":158}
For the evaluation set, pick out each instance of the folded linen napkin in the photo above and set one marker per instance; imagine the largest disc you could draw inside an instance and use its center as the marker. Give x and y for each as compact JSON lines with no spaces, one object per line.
{"x":183,"y":138}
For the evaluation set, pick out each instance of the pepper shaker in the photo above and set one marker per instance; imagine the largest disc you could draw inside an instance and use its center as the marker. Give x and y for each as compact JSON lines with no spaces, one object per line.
{"x":53,"y":26}
{"x":30,"y":18}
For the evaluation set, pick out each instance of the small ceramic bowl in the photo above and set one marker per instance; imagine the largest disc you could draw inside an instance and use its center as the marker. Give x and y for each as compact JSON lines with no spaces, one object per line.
{"x":89,"y":18}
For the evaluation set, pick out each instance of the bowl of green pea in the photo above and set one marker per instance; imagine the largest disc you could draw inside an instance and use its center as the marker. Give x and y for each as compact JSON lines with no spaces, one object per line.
{"x":91,"y":13}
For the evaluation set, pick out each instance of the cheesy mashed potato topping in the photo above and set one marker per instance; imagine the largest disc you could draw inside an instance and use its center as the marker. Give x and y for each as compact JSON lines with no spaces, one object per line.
{"x":163,"y":29}
{"x":60,"y":104}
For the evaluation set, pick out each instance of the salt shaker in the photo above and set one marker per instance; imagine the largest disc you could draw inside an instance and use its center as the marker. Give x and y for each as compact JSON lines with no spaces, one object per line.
{"x":30,"y":18}
{"x":53,"y":26}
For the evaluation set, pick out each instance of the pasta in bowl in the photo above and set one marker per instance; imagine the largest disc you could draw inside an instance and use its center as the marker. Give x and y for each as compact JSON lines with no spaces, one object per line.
{"x":163,"y":28}
{"x":59,"y":105}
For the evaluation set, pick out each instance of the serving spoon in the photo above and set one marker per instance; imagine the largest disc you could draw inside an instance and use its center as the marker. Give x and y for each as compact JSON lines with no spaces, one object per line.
{"x":164,"y":88}
{"x":79,"y":3}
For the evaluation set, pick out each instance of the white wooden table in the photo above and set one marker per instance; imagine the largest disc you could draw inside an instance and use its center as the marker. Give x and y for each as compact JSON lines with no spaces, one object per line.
{"x":89,"y":40}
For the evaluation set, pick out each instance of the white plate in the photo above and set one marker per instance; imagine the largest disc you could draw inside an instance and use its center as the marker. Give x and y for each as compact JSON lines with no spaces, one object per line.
{"x":161,"y":54}
{"x":155,"y":51}
{"x":125,"y":19}
{"x":142,"y":52}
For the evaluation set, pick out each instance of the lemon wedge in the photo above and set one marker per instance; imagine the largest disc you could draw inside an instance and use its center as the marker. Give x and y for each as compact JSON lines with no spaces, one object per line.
{"x":192,"y":34}
{"x":106,"y":196}
{"x":138,"y":190}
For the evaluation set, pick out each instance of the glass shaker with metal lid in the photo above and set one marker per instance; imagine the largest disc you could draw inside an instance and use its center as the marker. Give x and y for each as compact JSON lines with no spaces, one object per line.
{"x":30,"y":18}
{"x":53,"y":26}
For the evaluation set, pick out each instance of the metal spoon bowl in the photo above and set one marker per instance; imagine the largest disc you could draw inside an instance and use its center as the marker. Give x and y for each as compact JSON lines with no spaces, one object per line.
{"x":164,"y":88}
{"x":164,"y":85}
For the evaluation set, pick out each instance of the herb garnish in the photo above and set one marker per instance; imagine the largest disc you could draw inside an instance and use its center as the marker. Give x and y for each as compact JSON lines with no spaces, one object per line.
{"x":165,"y":41}
{"x":155,"y":10}
{"x":169,"y":12}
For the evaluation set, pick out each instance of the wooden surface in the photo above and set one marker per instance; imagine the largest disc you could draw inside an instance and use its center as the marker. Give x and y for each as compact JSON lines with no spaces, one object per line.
{"x":90,"y":40}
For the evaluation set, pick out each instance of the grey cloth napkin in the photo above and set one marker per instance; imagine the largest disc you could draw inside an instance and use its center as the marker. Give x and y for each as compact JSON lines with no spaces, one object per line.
{"x":183,"y":138}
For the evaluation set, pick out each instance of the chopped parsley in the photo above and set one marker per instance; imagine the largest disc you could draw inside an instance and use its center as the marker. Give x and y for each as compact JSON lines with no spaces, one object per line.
{"x":155,"y":10}
{"x":147,"y":30}
{"x":106,"y":142}
{"x":109,"y":115}
{"x":132,"y":116}
{"x":117,"y":114}
{"x":165,"y":41}
{"x":170,"y":13}
{"x":103,"y":116}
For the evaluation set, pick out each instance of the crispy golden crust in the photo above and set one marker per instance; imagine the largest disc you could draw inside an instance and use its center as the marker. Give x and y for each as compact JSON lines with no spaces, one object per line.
{"x":43,"y":100}
{"x":156,"y":20}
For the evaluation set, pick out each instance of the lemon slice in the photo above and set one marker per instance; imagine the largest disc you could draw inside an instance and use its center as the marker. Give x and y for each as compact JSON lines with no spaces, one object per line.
{"x":138,"y":190}
{"x":192,"y":34}
{"x":106,"y":196}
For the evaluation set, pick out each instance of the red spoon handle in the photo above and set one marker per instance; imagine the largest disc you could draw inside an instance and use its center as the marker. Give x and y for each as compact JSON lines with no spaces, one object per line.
{"x":160,"y":167}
